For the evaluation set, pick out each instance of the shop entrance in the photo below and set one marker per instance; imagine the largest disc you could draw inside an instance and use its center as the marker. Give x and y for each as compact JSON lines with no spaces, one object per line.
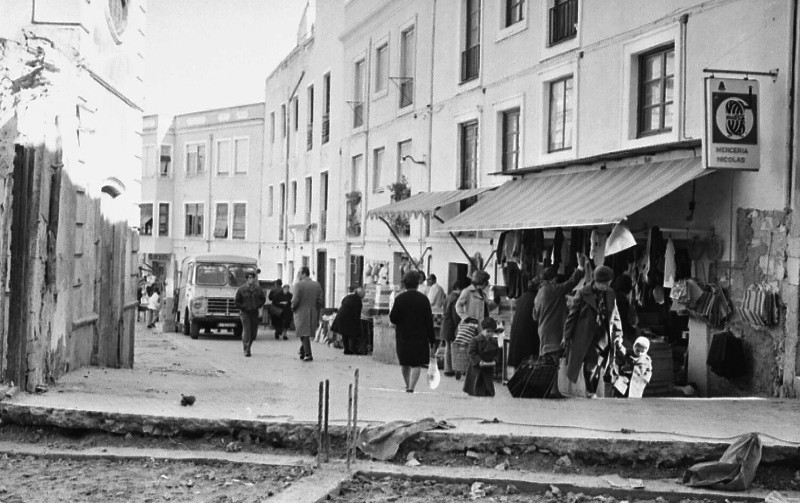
{"x":457,"y":272}
{"x":321,"y":273}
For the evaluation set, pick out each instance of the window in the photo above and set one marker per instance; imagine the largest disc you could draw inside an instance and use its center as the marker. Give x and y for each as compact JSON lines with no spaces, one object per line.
{"x":239,"y":220}
{"x":326,"y":107}
{"x":194,"y":219}
{"x":283,"y":121}
{"x":471,"y":55}
{"x":221,"y":221}
{"x":294,"y":197}
{"x":272,"y":127}
{"x":560,"y":131}
{"x":515,"y":11}
{"x":310,"y":119}
{"x":296,"y":107}
{"x":381,"y":68}
{"x":163,"y":219}
{"x":241,"y":152}
{"x":656,"y":88}
{"x":270,"y":200}
{"x":469,"y":160}
{"x":358,"y":94}
{"x":323,"y":206}
{"x":146,"y":219}
{"x":563,"y":20}
{"x":510,"y":147}
{"x":355,"y":172}
{"x":282,"y":193}
{"x":309,"y":202}
{"x":403,"y":150}
{"x":223,"y":158}
{"x":195,"y":158}
{"x":165,"y":163}
{"x":407,"y":50}
{"x":149,"y":160}
{"x":377,"y":169}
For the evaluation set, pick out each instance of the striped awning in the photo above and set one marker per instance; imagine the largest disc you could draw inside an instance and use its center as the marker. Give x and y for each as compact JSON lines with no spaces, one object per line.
{"x":595,"y":196}
{"x":424,"y":202}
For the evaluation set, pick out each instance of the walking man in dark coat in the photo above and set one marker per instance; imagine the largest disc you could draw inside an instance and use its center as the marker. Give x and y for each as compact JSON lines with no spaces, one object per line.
{"x":550,"y":306}
{"x":249,"y":299}
{"x":306,"y":306}
{"x":348,"y":321}
{"x":275,"y":308}
{"x":414,"y":334}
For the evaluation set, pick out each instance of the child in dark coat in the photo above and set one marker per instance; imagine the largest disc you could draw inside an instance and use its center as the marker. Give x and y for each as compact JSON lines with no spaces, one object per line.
{"x":483,"y":350}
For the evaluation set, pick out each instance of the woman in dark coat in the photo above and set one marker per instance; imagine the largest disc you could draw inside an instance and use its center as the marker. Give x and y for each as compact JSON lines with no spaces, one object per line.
{"x":592,"y":324}
{"x":450,"y":321}
{"x":348,"y":321}
{"x":414,"y":335}
{"x":524,"y":341}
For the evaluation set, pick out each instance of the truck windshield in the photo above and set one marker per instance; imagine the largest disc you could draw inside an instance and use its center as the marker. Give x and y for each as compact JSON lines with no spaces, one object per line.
{"x":222,"y":274}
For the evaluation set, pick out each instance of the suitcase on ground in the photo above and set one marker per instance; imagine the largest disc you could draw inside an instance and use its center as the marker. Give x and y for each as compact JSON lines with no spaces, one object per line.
{"x":535,"y":378}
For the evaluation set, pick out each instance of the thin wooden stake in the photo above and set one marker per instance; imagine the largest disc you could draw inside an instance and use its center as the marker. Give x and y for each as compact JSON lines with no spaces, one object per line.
{"x":349,"y":422}
{"x":327,"y":438}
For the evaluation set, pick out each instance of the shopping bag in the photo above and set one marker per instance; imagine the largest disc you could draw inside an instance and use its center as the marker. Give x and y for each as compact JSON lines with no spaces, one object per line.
{"x":567,"y":387}
{"x":434,"y":377}
{"x":466,"y":331}
{"x":274,"y":310}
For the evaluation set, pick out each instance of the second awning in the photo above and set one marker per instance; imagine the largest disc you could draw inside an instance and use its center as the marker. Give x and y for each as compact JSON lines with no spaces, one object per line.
{"x":424,"y":202}
{"x":580,"y":198}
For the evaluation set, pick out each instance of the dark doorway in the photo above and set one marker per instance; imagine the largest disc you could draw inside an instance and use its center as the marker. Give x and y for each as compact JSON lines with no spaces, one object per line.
{"x":322,"y":259}
{"x":456,"y":272}
{"x":356,"y":272}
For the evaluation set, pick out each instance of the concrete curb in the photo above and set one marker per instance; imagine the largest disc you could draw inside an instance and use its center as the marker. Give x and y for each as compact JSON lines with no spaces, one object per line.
{"x":303,"y":436}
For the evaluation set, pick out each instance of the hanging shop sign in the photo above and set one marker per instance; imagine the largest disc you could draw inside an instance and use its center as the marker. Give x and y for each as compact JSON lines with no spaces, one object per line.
{"x":731,"y":140}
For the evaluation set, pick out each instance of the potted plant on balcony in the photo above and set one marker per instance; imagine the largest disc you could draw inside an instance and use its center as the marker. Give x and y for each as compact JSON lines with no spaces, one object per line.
{"x":400,"y":190}
{"x":353,"y":213}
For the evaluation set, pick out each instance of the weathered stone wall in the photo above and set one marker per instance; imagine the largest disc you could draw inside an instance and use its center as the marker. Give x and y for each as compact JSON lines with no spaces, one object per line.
{"x":761,"y":256}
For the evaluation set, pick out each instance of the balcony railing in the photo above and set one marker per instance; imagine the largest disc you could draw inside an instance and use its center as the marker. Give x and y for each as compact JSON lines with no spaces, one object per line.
{"x":309,"y":136}
{"x":323,"y":225}
{"x":470,"y":63}
{"x":563,"y":21}
{"x":326,"y":128}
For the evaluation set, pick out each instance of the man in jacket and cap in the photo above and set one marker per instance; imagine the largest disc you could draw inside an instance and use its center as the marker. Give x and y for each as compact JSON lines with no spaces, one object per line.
{"x":591,"y":326}
{"x":550,"y":306}
{"x":249,"y":299}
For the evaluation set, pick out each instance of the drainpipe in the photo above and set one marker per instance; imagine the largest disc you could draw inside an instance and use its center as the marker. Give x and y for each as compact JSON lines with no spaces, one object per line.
{"x":286,"y":124}
{"x":684,"y":20}
{"x":210,"y":174}
{"x":793,"y":119}
{"x":367,"y":157}
{"x":429,"y":165}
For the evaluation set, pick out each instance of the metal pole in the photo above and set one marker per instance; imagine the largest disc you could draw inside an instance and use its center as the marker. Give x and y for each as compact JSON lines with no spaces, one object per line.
{"x":355,"y":413}
{"x":327,"y":437}
{"x":319,"y":425}
{"x":403,"y":246}
{"x":349,"y":417}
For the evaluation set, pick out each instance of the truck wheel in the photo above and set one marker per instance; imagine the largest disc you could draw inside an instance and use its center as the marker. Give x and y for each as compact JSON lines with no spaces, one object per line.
{"x":194,"y":332}
{"x":185,"y":324}
{"x":237,"y":331}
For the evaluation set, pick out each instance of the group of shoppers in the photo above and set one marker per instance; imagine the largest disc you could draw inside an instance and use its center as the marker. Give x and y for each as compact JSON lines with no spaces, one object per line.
{"x":303,"y":303}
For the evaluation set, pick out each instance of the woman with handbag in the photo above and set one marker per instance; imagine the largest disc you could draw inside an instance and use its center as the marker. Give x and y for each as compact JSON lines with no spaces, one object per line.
{"x":414,"y":335}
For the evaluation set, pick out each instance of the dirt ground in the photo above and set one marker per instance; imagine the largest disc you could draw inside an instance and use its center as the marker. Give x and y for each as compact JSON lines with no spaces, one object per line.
{"x":389,"y":489}
{"x":35,"y":479}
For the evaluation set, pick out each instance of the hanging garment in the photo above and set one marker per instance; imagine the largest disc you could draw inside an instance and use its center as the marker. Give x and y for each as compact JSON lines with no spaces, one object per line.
{"x":620,"y":239}
{"x":558,"y":240}
{"x":562,"y":267}
{"x":656,"y":252}
{"x":598,"y":251}
{"x":669,"y":265}
{"x":576,"y":246}
{"x":501,"y":250}
{"x":726,"y":355}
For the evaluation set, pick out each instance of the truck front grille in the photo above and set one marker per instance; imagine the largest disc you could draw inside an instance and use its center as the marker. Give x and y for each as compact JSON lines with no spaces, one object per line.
{"x":222,"y":307}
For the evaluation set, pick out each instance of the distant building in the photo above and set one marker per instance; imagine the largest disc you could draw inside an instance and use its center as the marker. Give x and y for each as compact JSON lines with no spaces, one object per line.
{"x":202,"y":178}
{"x":70,"y":124}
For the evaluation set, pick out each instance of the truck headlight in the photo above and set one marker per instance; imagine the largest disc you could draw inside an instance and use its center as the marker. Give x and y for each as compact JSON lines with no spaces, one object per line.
{"x":199,"y":305}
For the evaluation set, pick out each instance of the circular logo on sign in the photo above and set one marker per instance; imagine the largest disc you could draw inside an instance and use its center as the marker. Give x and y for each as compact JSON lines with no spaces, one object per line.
{"x":735,"y":118}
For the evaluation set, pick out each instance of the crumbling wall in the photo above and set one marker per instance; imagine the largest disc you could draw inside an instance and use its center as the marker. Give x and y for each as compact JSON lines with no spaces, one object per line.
{"x":762,"y":243}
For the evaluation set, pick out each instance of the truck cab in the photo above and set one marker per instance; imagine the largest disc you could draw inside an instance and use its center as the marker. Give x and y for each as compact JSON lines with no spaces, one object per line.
{"x":206,"y":292}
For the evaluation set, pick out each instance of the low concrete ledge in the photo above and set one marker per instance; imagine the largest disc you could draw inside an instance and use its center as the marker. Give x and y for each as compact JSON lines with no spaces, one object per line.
{"x":303,"y":436}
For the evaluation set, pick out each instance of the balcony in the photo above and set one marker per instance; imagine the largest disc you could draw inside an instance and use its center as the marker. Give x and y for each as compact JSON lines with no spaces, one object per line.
{"x":309,"y":136}
{"x":353,"y":214}
{"x":406,"y":92}
{"x":323,"y":225}
{"x":563,"y":21}
{"x":470,"y":63}
{"x":326,"y":128}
